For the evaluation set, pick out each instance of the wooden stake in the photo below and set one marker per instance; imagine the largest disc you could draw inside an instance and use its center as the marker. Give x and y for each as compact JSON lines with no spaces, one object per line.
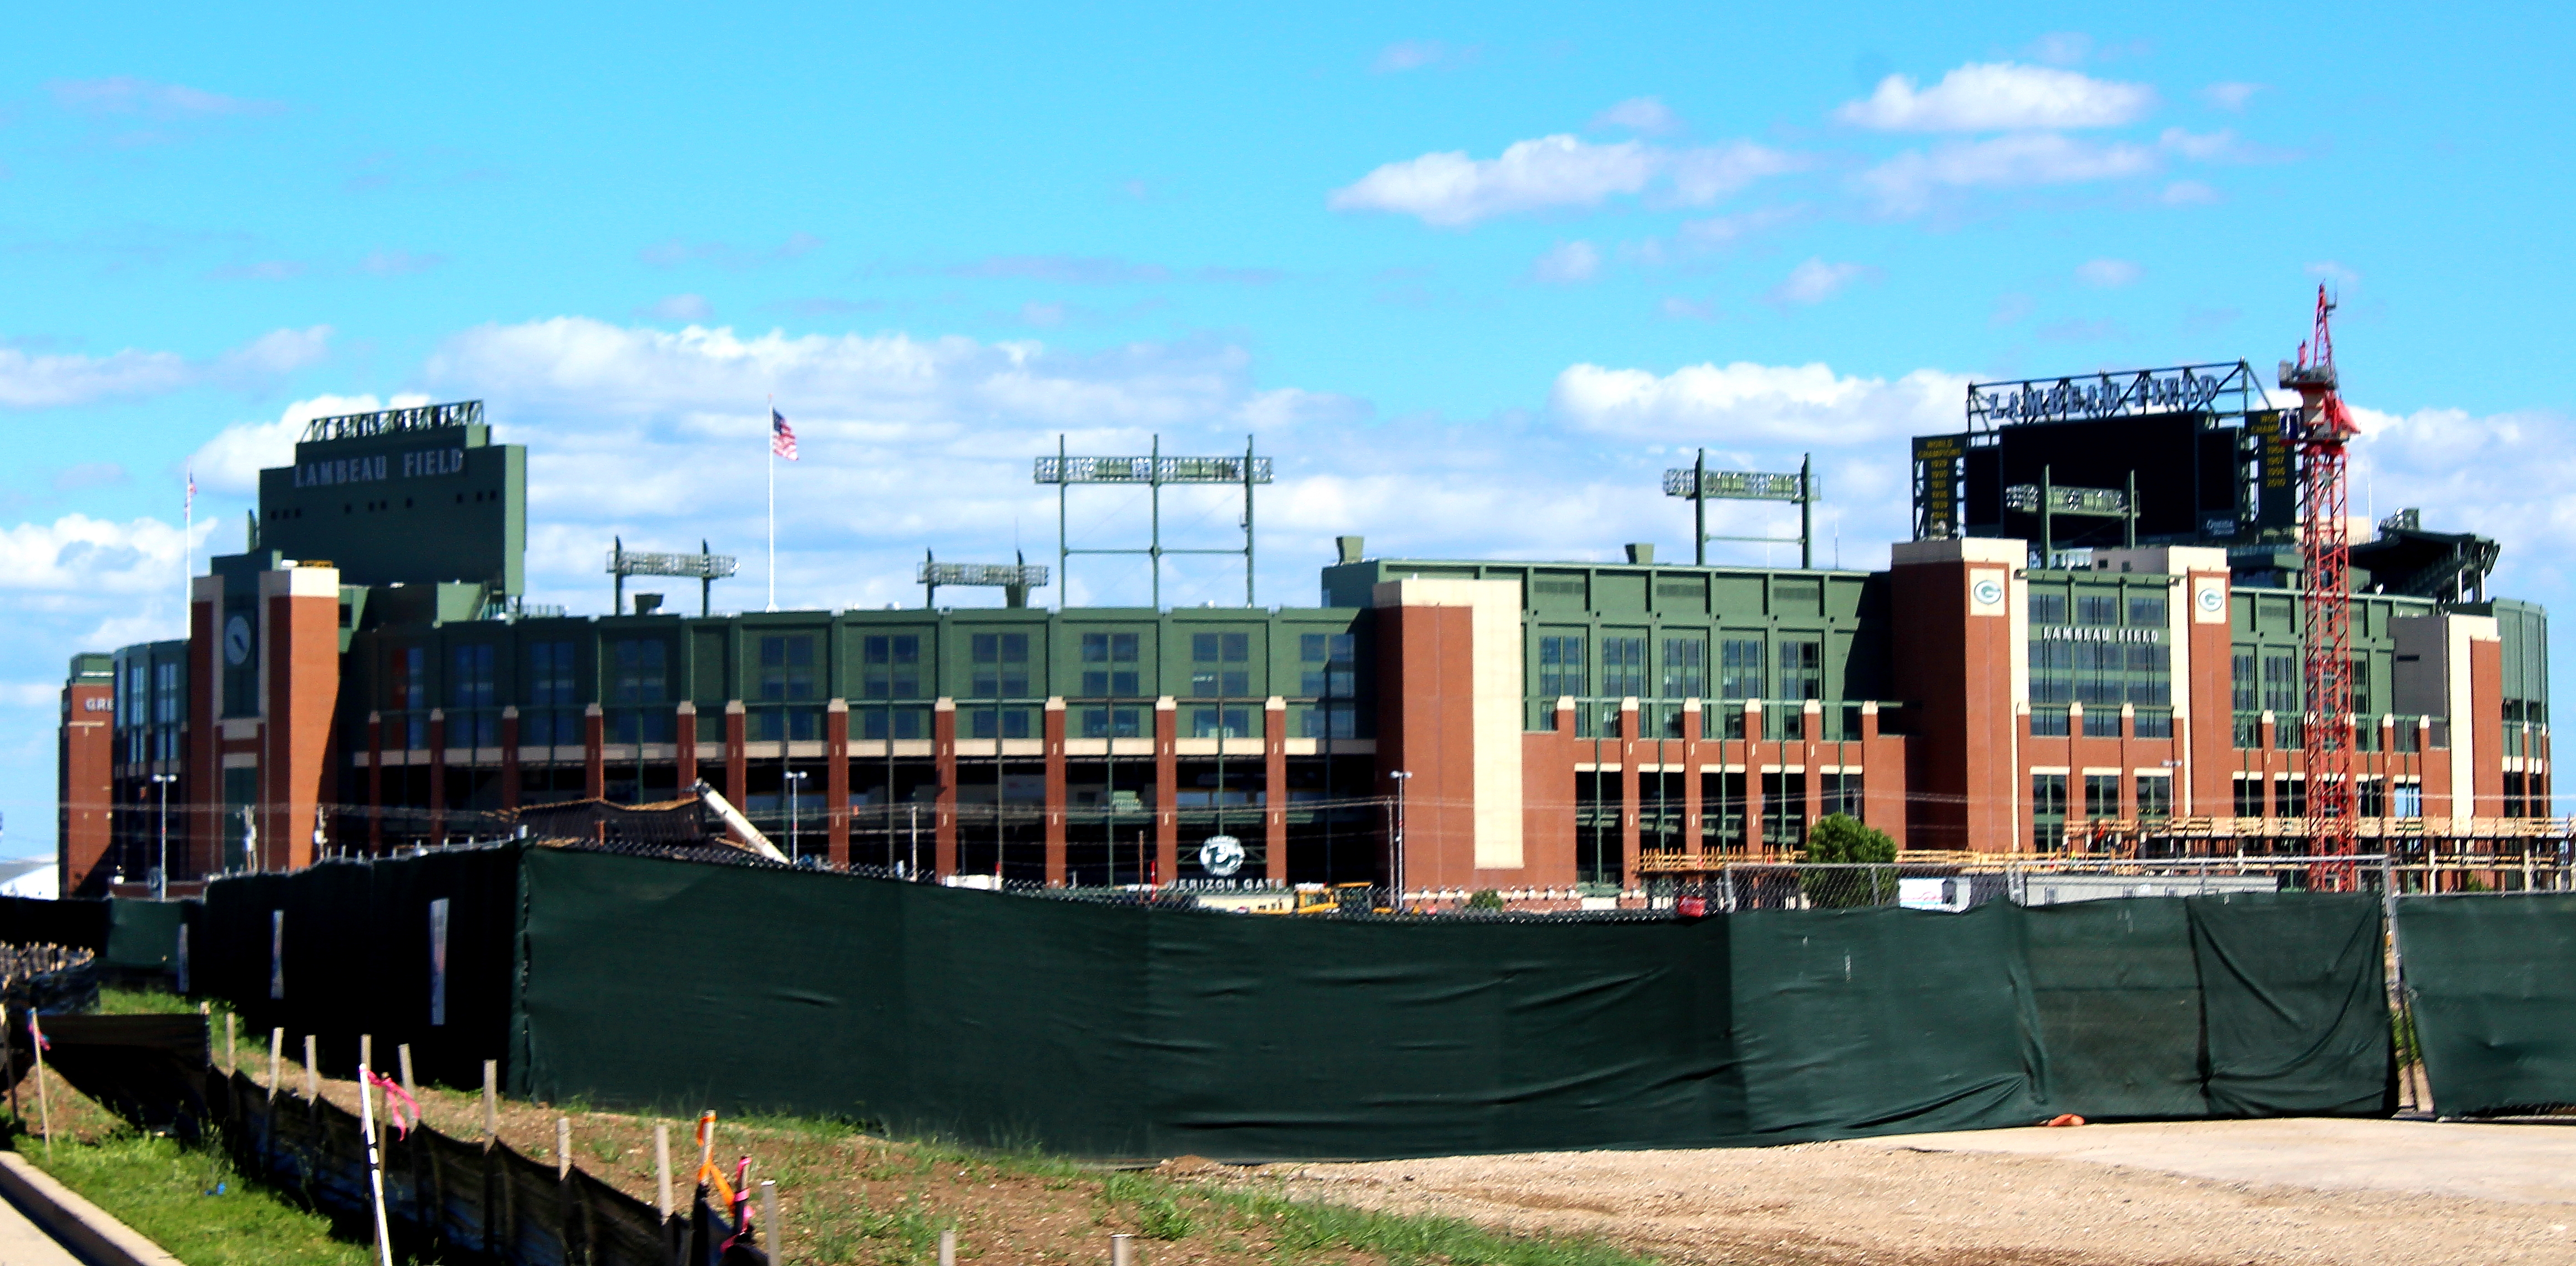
{"x":491,"y":1102}
{"x":366,"y":1064}
{"x":662,"y":1164}
{"x":770,"y":1239}
{"x":312,"y":1072}
{"x":563,"y":1148}
{"x":276,"y":1043}
{"x":1122,"y":1250}
{"x":44,"y":1102}
{"x":403,"y":1053}
{"x":948,"y":1247}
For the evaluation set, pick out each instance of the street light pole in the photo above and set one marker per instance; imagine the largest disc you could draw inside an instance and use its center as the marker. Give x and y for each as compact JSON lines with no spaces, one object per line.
{"x":1395,"y":860}
{"x":161,"y":872}
{"x":795,"y":781}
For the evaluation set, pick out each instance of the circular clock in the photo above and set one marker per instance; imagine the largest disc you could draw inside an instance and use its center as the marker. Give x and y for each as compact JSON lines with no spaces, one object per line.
{"x":237,"y":641}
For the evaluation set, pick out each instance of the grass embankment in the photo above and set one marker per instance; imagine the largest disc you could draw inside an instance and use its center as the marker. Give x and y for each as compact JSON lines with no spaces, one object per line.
{"x":845,"y":1196}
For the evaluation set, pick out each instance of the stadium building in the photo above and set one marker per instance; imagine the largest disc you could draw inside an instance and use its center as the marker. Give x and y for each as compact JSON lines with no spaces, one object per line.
{"x":2091,"y":644}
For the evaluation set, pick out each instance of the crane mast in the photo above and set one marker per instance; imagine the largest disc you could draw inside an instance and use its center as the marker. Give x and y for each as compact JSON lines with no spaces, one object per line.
{"x":2325,"y":551}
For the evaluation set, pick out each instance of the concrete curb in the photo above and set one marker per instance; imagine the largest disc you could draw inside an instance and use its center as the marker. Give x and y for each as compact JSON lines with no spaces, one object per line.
{"x":80,"y":1226}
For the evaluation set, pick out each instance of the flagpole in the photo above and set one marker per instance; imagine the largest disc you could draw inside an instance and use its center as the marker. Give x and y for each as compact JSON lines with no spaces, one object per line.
{"x":187,"y":549}
{"x":769,"y":426}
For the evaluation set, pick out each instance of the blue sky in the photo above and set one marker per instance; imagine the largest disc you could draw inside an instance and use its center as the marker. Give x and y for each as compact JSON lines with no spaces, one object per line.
{"x":1474,"y":276}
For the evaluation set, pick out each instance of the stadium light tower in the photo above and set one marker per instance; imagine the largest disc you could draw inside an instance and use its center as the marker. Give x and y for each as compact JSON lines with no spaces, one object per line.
{"x":1703,"y":485}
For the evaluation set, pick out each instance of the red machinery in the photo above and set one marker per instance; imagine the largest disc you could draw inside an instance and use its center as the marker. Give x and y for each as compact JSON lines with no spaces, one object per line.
{"x":2325,"y":548}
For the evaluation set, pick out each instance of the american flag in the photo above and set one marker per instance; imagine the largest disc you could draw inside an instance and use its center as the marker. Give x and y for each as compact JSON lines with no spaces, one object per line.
{"x":192,"y":489}
{"x":782,"y":437}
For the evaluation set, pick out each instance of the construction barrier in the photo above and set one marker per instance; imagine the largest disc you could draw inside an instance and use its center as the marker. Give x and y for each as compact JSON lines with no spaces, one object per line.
{"x":1129,"y":1031}
{"x":2492,"y":983}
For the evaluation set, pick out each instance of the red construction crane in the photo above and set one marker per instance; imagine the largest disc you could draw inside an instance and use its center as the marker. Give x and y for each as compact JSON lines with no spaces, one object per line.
{"x":2325,"y":549}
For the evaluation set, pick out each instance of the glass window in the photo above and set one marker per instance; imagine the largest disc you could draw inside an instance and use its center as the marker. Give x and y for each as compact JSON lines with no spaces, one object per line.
{"x":2047,"y":608}
{"x":2157,"y":724}
{"x":470,"y":686}
{"x":898,"y":723}
{"x":1623,"y":666}
{"x":1802,"y":669}
{"x":1685,"y":667}
{"x":2292,"y":797}
{"x":2281,"y":686}
{"x":640,"y":668}
{"x":2097,"y":610}
{"x":2146,"y":613}
{"x":2104,"y":724}
{"x":1330,"y":664}
{"x":1560,"y":666}
{"x":2243,"y":688}
{"x":550,"y":674}
{"x":2049,"y":722}
{"x":2048,"y":811}
{"x":2408,"y":800}
{"x":2101,"y":795}
{"x":1112,"y":723}
{"x":1001,"y":666}
{"x":890,"y":666}
{"x":1009,"y":723}
{"x":2155,"y":796}
{"x":787,"y":666}
{"x":2249,"y":798}
{"x":1739,"y":668}
{"x":1222,"y":723}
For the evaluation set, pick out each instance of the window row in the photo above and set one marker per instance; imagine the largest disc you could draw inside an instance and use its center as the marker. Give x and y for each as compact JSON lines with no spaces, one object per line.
{"x":2097,"y":610}
{"x":1679,"y":669}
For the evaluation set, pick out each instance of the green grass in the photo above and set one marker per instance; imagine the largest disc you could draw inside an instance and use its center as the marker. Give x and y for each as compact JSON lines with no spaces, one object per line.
{"x":192,"y":1202}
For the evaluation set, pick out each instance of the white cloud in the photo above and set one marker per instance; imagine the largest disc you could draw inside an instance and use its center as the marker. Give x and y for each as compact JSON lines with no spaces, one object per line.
{"x":1906,"y":182}
{"x":2108,"y":273}
{"x":1745,"y":402}
{"x":1999,"y":96}
{"x":2188,"y":193}
{"x":689,"y":308}
{"x":1680,"y":308}
{"x":126,"y":95}
{"x":2230,"y":96}
{"x":55,"y":380}
{"x":230,"y":462}
{"x":1815,"y":281}
{"x":1640,"y":114}
{"x":1553,"y":173}
{"x":1568,"y":262}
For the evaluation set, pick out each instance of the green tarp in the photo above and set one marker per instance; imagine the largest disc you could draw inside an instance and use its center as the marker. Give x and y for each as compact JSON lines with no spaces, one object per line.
{"x":2493,"y":980}
{"x":144,"y":935}
{"x":1135,"y":1032}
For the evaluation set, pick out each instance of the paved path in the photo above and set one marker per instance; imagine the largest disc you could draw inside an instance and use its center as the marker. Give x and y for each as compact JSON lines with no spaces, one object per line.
{"x":2524,"y":1164}
{"x":22,"y":1244}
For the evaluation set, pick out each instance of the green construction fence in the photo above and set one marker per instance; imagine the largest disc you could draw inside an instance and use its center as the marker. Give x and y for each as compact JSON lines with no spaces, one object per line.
{"x":1128,"y":1031}
{"x":2492,"y":980}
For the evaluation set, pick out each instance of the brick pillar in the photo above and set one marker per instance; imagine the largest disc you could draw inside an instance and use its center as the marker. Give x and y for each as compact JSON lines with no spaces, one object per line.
{"x":1167,"y":791}
{"x":1693,"y":805}
{"x":1811,"y":730}
{"x":86,"y":786}
{"x":737,"y":770}
{"x":1631,"y":803}
{"x":594,"y":762}
{"x":510,"y":796}
{"x":836,"y":778}
{"x":1753,"y":754}
{"x":684,"y":730}
{"x":300,"y":649}
{"x":1055,"y":792}
{"x":943,"y":754}
{"x":1274,"y":794}
{"x":375,"y":782}
{"x":437,"y":775}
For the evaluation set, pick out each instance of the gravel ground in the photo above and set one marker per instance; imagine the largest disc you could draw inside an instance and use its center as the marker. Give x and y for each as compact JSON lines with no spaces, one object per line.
{"x":1855,"y":1202}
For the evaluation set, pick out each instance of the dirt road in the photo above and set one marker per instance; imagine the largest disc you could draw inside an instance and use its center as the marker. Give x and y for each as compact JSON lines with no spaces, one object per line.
{"x":2205,"y":1193}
